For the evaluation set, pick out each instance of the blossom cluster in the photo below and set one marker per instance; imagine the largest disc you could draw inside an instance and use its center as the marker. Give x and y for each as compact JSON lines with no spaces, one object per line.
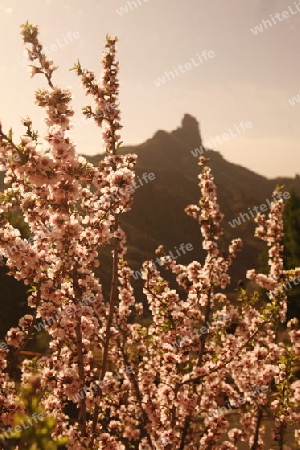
{"x":240,"y":401}
{"x":203,"y":330}
{"x":109,"y":378}
{"x":68,"y":311}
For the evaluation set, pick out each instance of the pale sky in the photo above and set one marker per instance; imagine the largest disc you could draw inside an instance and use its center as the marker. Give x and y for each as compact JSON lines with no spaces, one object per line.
{"x":250,"y":78}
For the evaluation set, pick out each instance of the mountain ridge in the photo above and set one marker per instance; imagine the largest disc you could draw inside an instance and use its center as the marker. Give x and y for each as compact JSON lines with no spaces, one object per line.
{"x":160,"y":204}
{"x":157,"y":216}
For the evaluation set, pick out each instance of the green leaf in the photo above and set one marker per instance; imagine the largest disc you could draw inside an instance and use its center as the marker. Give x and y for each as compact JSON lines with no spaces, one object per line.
{"x":32,"y":289}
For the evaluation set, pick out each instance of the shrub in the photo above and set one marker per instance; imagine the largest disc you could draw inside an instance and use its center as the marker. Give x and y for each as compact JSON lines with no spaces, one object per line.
{"x":107,"y":382}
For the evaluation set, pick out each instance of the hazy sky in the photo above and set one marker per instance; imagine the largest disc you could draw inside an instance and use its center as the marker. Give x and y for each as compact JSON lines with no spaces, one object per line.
{"x":249,"y":78}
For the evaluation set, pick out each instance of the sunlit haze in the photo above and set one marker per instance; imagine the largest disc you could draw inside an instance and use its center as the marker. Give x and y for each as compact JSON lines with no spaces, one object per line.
{"x":227,"y":63}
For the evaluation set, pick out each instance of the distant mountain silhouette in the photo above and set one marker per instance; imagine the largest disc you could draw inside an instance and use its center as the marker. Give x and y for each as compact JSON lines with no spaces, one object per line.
{"x":158,"y":217}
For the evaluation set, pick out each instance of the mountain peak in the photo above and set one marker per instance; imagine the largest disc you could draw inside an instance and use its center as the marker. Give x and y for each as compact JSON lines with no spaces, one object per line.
{"x":189,"y":122}
{"x":189,"y":132}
